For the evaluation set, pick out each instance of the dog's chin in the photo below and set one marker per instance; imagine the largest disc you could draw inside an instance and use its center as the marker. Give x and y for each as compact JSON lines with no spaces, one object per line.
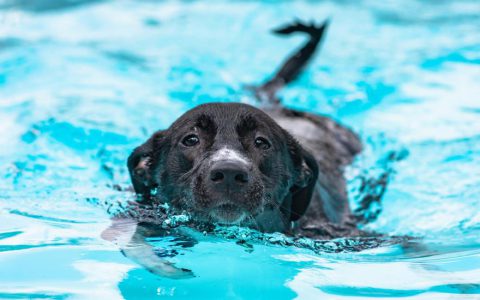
{"x":229,"y":214}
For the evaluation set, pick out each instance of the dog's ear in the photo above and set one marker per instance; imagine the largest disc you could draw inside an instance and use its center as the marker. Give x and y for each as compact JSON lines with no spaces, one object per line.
{"x":140,"y":162}
{"x":306,"y":170}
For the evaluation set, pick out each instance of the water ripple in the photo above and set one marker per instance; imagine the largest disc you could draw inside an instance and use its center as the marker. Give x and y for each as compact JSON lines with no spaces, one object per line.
{"x":46,"y":218}
{"x":39,"y":295}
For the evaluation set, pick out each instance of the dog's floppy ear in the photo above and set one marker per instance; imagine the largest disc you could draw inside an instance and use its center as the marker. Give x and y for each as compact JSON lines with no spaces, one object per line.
{"x":306,"y":177}
{"x":139,"y":165}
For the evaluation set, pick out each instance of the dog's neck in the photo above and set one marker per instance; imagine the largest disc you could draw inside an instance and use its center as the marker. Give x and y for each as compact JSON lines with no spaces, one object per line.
{"x":272,"y":221}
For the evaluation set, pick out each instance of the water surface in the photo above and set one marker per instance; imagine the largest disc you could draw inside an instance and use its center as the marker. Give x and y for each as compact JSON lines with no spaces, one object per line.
{"x":84,"y":82}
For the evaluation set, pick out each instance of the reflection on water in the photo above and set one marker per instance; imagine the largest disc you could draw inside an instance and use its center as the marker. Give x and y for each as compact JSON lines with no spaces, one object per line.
{"x":83,"y":82}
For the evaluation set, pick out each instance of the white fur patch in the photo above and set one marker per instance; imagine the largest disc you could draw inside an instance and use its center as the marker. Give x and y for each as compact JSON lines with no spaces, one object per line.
{"x":229,"y":154}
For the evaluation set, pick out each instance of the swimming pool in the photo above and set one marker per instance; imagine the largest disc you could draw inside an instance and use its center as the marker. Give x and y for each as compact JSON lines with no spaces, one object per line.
{"x":83,"y":82}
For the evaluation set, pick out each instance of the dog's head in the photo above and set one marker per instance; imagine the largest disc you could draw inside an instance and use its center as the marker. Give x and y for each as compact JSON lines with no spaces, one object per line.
{"x":226,"y":162}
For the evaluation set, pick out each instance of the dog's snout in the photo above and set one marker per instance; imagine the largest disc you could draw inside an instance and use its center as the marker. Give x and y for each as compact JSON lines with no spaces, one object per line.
{"x":229,"y":173}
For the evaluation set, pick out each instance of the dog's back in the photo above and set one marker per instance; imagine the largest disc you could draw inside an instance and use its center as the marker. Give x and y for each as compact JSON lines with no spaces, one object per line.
{"x":334,"y":147}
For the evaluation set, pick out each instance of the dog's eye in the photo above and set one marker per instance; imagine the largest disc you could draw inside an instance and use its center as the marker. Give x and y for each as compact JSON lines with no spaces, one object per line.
{"x":262,"y":143}
{"x":190,"y":140}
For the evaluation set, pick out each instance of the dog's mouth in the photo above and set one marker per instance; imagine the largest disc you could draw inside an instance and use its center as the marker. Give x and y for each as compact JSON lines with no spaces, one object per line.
{"x":228,"y":213}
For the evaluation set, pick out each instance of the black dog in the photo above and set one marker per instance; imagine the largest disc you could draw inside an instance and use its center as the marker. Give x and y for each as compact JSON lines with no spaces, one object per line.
{"x":274,"y":170}
{"x":233,"y":163}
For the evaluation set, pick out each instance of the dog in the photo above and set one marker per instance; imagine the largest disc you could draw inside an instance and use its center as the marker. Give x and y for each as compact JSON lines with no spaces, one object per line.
{"x":273,"y":169}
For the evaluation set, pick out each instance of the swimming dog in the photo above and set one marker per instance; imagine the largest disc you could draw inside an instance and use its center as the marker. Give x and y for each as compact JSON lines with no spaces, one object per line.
{"x":272,"y":168}
{"x":267,"y":168}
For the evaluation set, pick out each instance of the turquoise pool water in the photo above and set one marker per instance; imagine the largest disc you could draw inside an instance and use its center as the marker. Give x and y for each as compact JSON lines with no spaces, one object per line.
{"x":83,"y":82}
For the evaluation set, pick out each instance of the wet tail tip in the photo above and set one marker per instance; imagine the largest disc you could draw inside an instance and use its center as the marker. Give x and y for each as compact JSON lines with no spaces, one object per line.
{"x":300,"y":26}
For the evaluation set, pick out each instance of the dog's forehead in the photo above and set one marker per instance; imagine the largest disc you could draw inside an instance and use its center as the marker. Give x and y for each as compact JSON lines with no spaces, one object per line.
{"x":226,"y":117}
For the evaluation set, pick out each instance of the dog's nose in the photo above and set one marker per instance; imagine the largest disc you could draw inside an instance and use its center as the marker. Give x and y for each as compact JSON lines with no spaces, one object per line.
{"x":229,"y":174}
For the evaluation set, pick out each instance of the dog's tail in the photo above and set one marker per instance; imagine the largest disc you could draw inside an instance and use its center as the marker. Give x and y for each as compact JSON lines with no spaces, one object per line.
{"x":294,"y":65}
{"x":313,"y":30}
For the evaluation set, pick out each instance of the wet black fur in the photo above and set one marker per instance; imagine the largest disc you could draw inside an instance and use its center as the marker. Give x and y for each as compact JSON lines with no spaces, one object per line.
{"x":298,"y":185}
